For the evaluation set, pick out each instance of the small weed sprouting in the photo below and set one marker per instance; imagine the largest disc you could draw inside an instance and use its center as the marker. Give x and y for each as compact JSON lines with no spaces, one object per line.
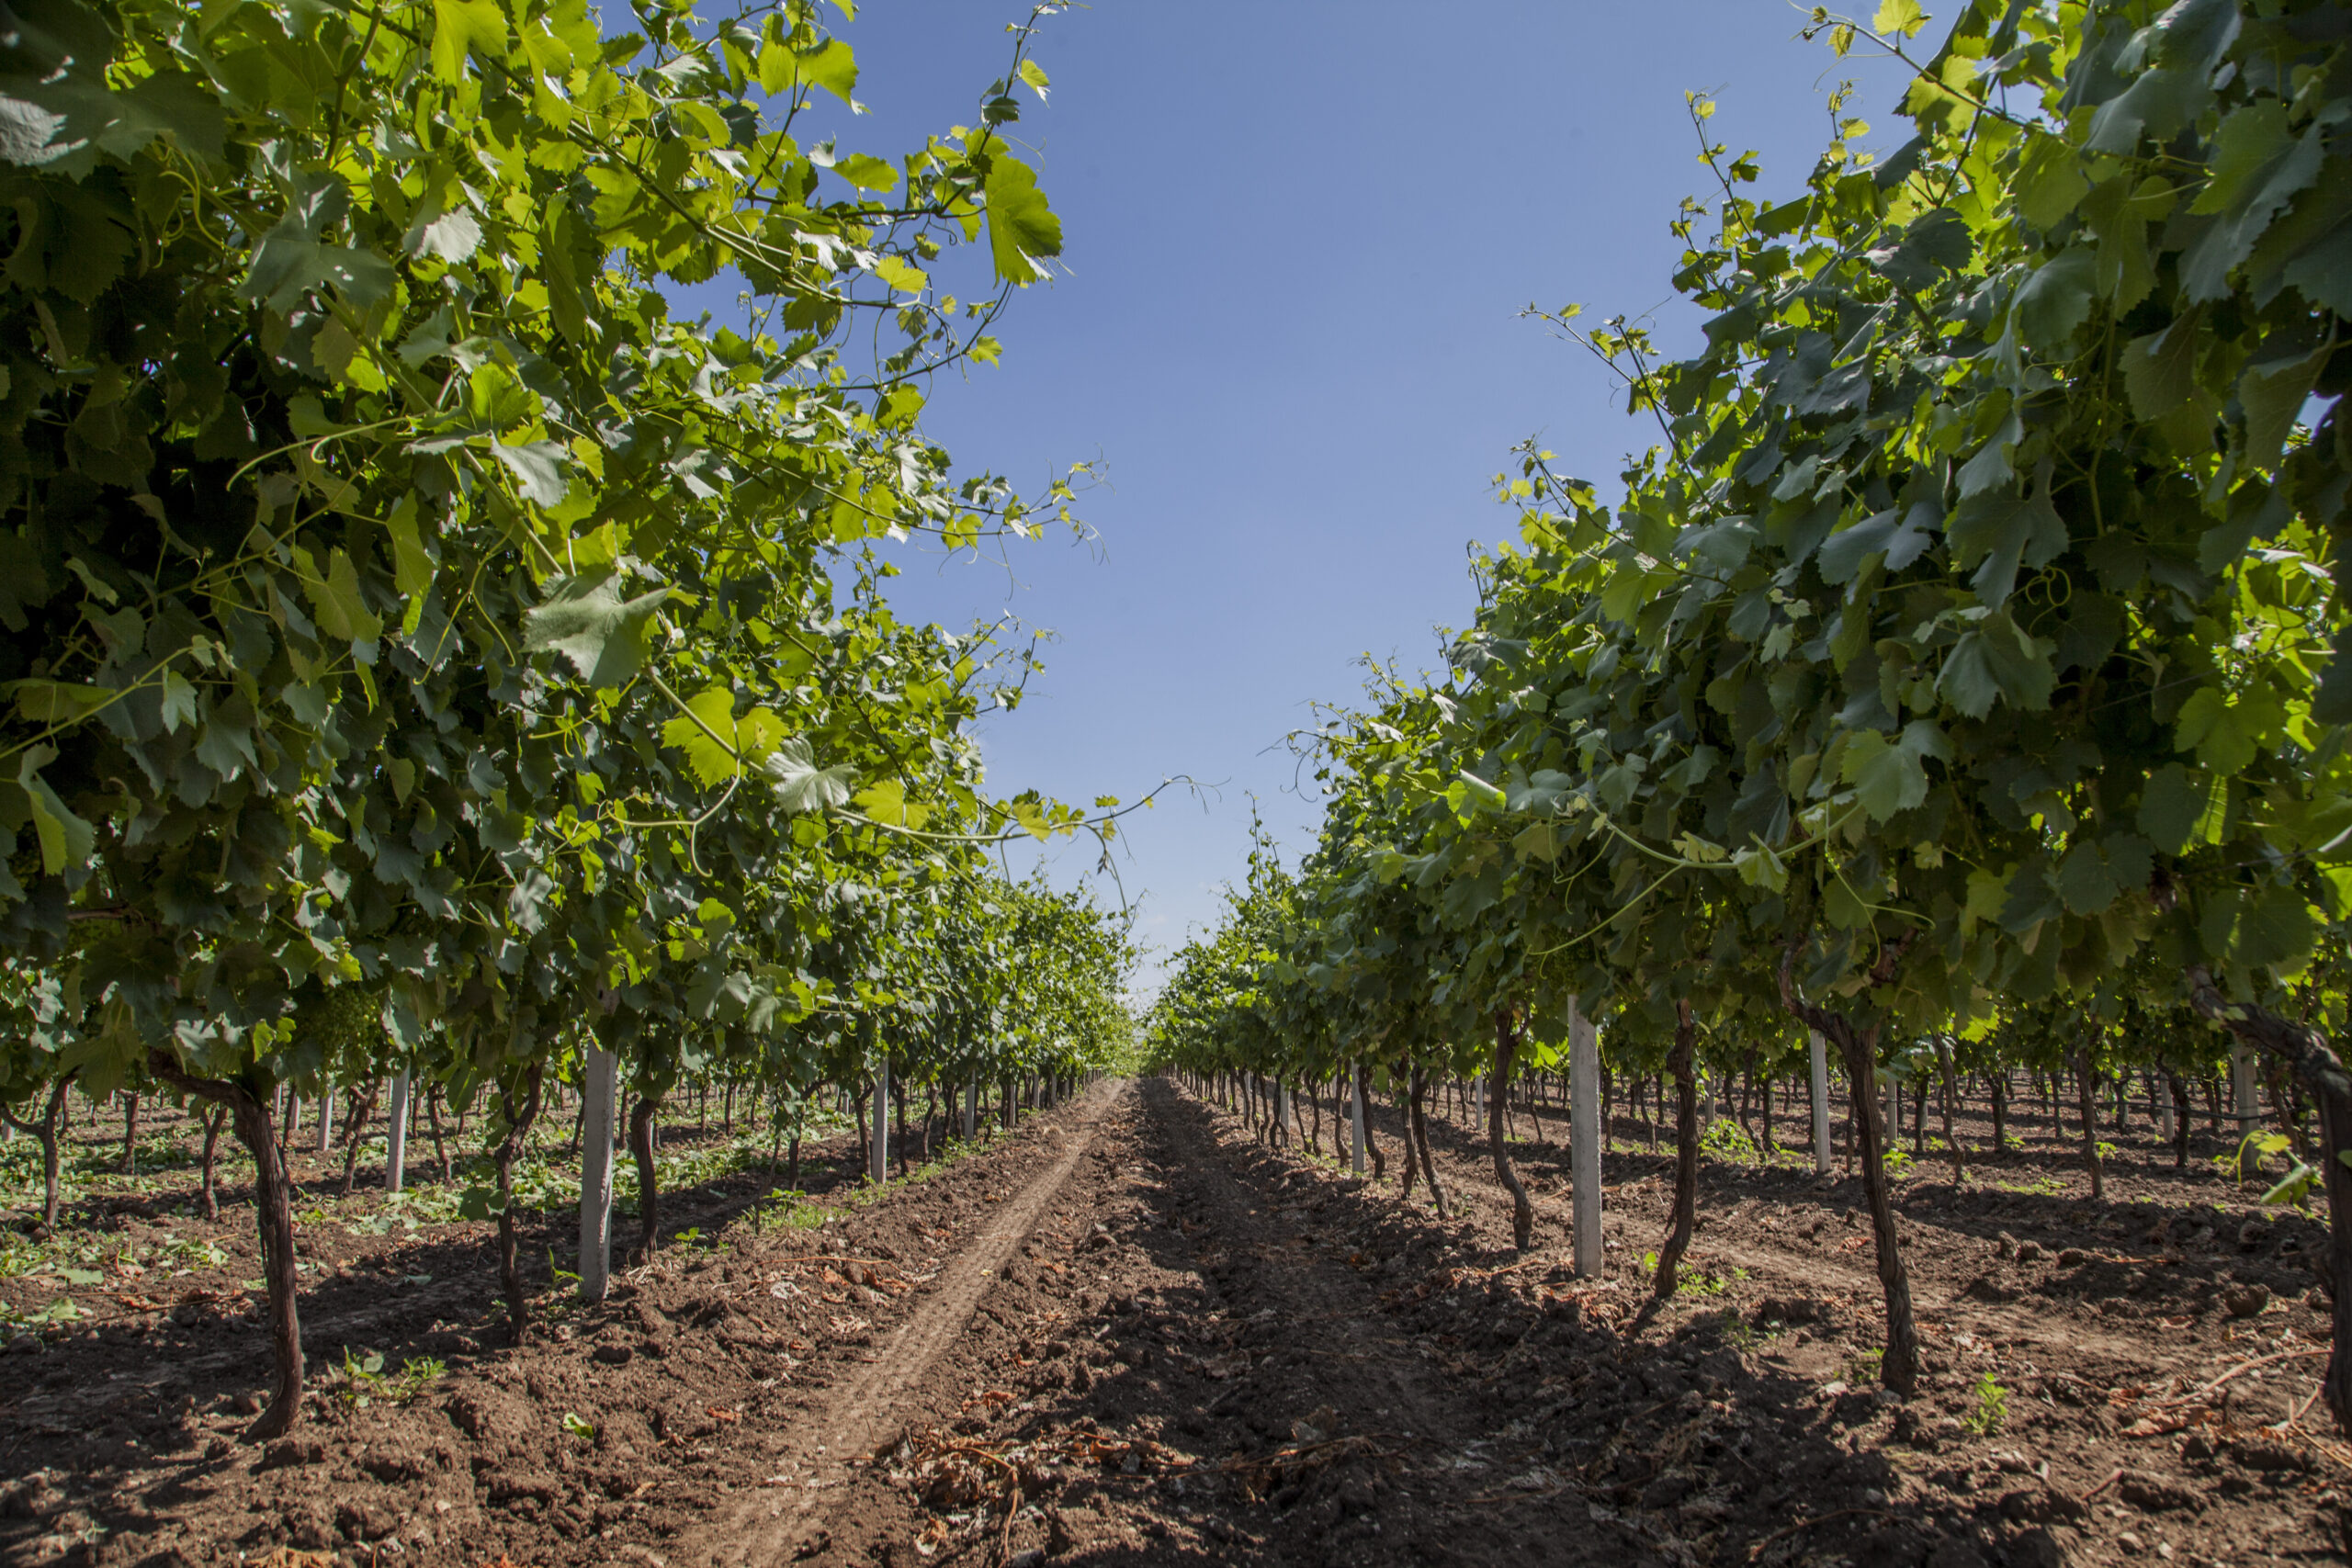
{"x":1727,"y":1140}
{"x":365,"y":1380}
{"x":1865,"y":1368}
{"x":1705,"y":1282}
{"x":417,"y":1374}
{"x":580,"y":1427}
{"x":21,"y":1320}
{"x":187,"y":1254}
{"x":1991,"y":1408}
{"x":1698,"y":1281}
{"x":384,"y":1220}
{"x":789,"y":1207}
{"x":2041,"y":1186}
{"x":1742,"y":1335}
{"x":70,"y":1255}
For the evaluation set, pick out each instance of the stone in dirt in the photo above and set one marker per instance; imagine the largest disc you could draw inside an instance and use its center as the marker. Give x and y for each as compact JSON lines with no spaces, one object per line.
{"x":2155,"y":1495}
{"x":362,"y":1522}
{"x":2245,"y":1301}
{"x":2268,"y":1454}
{"x":289,"y":1451}
{"x":1789,"y":1310}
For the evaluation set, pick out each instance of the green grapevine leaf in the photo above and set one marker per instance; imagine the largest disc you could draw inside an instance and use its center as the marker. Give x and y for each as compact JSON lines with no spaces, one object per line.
{"x":66,"y":840}
{"x":1890,"y":775}
{"x":462,"y":27}
{"x":587,"y":621}
{"x":1022,"y":229}
{"x":831,"y":65}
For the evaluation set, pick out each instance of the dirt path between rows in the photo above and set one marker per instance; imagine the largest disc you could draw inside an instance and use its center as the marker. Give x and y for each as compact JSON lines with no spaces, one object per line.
{"x":1193,"y":1360}
{"x":863,"y":1409}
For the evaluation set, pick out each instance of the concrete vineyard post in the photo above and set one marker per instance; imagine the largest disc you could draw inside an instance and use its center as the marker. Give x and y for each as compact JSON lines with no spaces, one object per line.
{"x":1584,"y":1139}
{"x":881,"y":1150}
{"x":971,"y":1109}
{"x":2241,"y":1106}
{"x":1820,"y":1065}
{"x":396,"y":1133}
{"x":1355,"y":1115}
{"x":326,"y":1118}
{"x":598,"y":1092}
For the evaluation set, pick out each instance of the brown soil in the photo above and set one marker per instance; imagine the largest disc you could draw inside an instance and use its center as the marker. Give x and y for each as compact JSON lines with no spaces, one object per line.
{"x":1130,"y":1333}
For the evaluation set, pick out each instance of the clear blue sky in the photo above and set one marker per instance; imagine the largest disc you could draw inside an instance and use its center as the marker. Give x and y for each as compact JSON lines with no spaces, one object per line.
{"x":1298,"y":236}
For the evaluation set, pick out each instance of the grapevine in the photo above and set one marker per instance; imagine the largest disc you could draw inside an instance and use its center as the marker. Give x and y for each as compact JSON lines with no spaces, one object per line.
{"x":1962,"y":667}
{"x":429,"y":658}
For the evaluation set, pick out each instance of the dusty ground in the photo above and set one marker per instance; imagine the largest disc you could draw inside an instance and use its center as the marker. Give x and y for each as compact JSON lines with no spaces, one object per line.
{"x":1130,"y":1333}
{"x":1744,"y":1412}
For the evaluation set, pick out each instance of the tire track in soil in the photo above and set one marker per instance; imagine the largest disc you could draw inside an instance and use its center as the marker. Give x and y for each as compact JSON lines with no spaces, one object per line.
{"x":1213,"y":1307}
{"x":1198,"y":1286}
{"x":861,"y":1410}
{"x":1381,"y":1381}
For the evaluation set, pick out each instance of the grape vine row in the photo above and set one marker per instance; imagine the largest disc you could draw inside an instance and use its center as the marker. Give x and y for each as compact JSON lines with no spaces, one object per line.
{"x":1960,"y":682}
{"x":426,"y":656}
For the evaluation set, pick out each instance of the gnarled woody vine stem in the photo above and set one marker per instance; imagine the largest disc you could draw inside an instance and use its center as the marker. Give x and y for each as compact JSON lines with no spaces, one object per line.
{"x":649,"y":1195}
{"x":1859,"y":1049}
{"x":521,"y":1105}
{"x":1523,"y":1209}
{"x":1685,"y":1154}
{"x":2314,"y":1059}
{"x":275,"y":1212}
